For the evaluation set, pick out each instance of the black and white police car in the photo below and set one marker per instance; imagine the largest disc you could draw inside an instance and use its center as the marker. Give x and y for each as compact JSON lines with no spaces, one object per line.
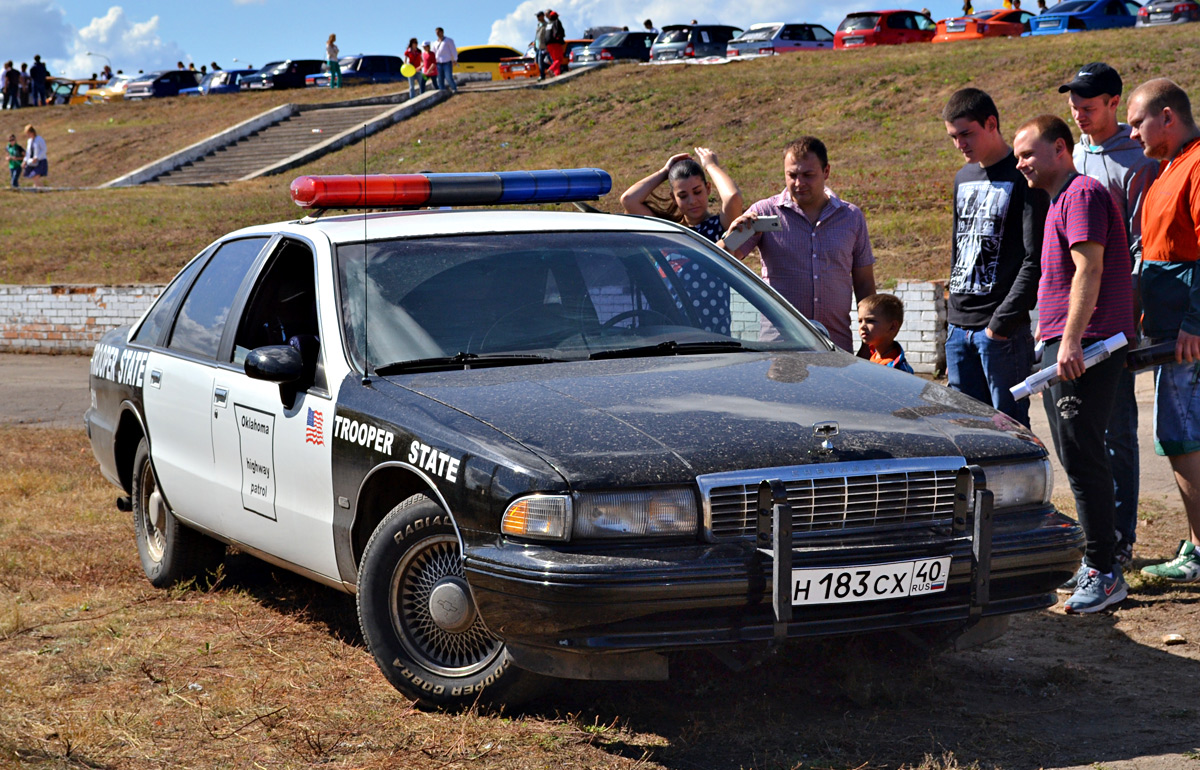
{"x":555,"y":443}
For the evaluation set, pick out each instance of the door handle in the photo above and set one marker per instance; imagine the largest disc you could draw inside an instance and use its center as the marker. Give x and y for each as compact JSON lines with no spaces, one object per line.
{"x":220,"y":396}
{"x":156,"y":378}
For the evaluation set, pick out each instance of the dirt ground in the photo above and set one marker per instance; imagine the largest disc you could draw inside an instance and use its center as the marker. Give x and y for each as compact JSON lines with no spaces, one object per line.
{"x":1098,"y":692}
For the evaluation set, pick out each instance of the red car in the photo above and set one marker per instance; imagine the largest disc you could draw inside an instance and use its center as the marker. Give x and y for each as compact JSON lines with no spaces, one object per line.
{"x":883,"y":28}
{"x":994,"y":23}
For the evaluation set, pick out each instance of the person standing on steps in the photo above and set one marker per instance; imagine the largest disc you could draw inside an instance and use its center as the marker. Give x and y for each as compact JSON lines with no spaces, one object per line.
{"x":446,"y":54}
{"x":331,"y":59}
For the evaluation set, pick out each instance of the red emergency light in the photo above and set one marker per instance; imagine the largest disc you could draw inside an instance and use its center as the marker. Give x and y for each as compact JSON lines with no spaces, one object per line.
{"x":379,"y":191}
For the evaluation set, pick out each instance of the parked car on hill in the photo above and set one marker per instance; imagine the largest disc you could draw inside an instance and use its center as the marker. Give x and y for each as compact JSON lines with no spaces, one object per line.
{"x":112,"y":91}
{"x":162,"y":83}
{"x":288,"y":73}
{"x":361,"y":70}
{"x":514,"y":67}
{"x":1153,"y":14}
{"x":994,"y":23}
{"x":692,"y":41}
{"x":68,"y":91}
{"x":869,"y":28}
{"x":219,"y":82}
{"x":615,"y":46}
{"x":538,"y":441}
{"x":483,"y":58}
{"x":1081,"y":15}
{"x":776,"y":37}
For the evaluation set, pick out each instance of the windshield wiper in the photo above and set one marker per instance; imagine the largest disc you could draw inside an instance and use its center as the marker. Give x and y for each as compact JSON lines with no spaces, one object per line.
{"x":462,"y":361}
{"x":670,"y":348}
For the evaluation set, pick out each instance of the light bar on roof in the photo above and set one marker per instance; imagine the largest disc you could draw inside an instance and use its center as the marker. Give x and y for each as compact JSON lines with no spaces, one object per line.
{"x":378,"y":191}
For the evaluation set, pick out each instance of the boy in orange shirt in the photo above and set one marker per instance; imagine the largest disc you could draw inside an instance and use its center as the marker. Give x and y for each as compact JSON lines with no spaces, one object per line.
{"x":879,"y":320}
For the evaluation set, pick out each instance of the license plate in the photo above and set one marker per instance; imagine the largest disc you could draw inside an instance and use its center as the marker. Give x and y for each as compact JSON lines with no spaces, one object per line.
{"x":1160,"y":16}
{"x":257,"y":85}
{"x":666,"y":55}
{"x":852,"y":41}
{"x":870,"y":582}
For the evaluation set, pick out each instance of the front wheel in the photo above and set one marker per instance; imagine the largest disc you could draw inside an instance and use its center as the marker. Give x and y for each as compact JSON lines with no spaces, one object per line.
{"x":169,"y":551}
{"x":420,"y":621}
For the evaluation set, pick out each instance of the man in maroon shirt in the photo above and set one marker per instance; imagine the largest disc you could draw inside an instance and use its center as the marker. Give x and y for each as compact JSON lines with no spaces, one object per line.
{"x":1085,"y":295}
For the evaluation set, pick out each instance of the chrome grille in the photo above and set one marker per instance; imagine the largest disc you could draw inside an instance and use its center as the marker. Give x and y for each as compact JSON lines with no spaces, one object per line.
{"x":837,"y":497}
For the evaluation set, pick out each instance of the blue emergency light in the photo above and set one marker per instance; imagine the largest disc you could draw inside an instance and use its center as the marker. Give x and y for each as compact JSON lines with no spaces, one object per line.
{"x":378,"y":191}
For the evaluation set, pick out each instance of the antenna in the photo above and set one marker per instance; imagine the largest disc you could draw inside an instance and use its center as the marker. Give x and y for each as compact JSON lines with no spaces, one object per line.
{"x":366,"y":379}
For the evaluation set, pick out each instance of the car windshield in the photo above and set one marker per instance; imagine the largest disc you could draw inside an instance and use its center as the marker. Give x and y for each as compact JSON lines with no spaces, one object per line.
{"x":610,"y":39}
{"x":556,"y":296}
{"x":675,"y":35}
{"x":983,"y":15}
{"x":758,"y":34}
{"x":859,"y":21}
{"x":1073,"y":7}
{"x":269,"y":68}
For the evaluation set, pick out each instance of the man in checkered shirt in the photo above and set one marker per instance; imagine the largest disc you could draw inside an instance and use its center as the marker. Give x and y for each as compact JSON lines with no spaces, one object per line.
{"x":822,"y":254}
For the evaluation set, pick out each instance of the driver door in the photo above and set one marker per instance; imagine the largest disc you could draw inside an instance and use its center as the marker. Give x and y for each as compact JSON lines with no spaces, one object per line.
{"x":271,"y":442}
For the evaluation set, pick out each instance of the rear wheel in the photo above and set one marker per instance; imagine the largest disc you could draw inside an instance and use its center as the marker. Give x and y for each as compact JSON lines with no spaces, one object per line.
{"x":169,"y":551}
{"x":419,"y":618}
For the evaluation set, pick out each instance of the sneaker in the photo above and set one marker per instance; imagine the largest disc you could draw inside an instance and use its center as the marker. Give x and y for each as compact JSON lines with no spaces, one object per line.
{"x":1184,"y":568}
{"x":1095,"y":592}
{"x":1069,"y":586}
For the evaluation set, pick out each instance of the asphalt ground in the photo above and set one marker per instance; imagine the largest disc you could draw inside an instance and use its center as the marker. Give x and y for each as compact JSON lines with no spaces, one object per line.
{"x":52,"y":391}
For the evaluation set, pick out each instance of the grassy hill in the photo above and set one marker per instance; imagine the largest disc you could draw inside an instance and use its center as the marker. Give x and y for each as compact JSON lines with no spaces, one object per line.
{"x":877,"y":110}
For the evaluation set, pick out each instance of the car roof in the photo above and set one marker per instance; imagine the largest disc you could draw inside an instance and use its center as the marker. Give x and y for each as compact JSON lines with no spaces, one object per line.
{"x":349,"y":228}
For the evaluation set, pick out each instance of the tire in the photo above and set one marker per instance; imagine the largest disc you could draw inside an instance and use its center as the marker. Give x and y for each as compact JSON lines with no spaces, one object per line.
{"x":444,"y":658}
{"x":169,"y":551}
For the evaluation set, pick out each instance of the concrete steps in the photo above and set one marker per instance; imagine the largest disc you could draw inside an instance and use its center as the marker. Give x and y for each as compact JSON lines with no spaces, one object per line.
{"x":270,"y":145}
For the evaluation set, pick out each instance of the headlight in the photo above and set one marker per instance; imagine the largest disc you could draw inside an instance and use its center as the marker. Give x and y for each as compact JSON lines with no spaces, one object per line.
{"x":1016,"y":485}
{"x":652,"y":513}
{"x":603,"y":515}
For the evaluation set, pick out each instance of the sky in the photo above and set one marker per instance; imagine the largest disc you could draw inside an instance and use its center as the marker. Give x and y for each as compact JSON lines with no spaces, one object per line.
{"x":78,"y":37}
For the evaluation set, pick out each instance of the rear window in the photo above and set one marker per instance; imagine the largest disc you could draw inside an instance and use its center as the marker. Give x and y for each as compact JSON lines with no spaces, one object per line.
{"x":486,"y":54}
{"x":1072,"y":7}
{"x":675,"y":36}
{"x":757,"y":35}
{"x":858,"y":21}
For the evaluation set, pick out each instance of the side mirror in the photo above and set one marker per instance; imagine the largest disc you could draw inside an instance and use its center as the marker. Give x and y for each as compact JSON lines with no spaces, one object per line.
{"x":275,"y":363}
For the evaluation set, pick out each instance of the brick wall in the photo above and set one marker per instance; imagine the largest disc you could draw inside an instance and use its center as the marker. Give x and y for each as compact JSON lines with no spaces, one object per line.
{"x":72,"y":318}
{"x":49,"y":319}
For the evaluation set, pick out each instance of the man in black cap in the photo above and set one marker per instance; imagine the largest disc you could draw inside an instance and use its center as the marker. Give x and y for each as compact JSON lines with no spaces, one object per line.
{"x":1107,"y":153}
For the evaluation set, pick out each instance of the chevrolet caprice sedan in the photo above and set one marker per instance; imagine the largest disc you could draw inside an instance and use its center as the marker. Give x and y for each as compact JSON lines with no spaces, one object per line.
{"x":554,"y":444}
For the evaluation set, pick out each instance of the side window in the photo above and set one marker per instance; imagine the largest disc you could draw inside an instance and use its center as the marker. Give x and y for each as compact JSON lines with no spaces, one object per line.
{"x":704,"y":38}
{"x":150,"y":332}
{"x":1115,"y":8}
{"x":925,"y":23}
{"x":283,"y":304}
{"x":1133,"y":8}
{"x":822,"y":35}
{"x":202,"y":317}
{"x":895,"y":21}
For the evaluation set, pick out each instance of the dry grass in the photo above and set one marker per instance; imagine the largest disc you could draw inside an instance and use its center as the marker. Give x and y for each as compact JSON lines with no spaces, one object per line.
{"x":877,"y":110}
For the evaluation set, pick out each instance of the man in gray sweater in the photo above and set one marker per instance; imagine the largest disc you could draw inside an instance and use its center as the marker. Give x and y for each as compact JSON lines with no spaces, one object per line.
{"x":1108,"y":154}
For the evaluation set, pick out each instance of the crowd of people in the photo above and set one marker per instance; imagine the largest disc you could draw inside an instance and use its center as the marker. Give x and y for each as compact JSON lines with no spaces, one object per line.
{"x":24,"y":87}
{"x":1101,"y":235}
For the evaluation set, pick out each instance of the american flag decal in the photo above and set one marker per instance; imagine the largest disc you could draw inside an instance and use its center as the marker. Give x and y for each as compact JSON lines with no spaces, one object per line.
{"x":313,"y":434}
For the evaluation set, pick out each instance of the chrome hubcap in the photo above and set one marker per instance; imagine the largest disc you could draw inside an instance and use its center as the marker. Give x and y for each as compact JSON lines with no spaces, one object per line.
{"x":433,"y":614}
{"x":154,"y":515}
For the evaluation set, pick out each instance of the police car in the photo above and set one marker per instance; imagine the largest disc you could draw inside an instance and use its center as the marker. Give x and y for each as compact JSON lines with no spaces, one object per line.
{"x":554,"y":443}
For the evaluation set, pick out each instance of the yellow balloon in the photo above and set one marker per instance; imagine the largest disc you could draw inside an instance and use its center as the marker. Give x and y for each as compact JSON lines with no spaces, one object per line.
{"x":407,"y":70}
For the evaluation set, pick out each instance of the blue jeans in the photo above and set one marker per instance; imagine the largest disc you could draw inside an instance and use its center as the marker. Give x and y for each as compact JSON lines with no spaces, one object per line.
{"x":1121,"y":439}
{"x":446,"y":76}
{"x":412,"y":90}
{"x":15,"y":173}
{"x":985,"y":369}
{"x":541,"y":56}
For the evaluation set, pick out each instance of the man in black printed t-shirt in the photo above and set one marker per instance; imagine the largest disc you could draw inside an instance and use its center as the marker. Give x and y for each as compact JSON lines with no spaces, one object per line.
{"x":995,"y":262}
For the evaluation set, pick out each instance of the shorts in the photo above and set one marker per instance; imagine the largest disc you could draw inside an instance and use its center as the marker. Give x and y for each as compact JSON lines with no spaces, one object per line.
{"x":40,"y":168}
{"x":1177,"y":409}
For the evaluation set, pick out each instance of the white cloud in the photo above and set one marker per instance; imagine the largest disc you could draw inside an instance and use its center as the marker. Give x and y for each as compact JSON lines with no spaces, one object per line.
{"x":33,"y":27}
{"x":129,"y":45}
{"x":516,"y":28}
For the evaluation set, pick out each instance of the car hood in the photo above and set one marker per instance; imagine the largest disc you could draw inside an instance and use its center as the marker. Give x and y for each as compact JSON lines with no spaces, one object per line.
{"x":666,"y":420}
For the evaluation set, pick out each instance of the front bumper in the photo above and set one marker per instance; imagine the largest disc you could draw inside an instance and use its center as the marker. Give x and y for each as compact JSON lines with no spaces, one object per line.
{"x":685,"y":596}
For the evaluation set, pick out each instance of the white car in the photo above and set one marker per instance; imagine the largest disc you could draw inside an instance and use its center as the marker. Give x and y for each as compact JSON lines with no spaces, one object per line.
{"x":533,"y":442}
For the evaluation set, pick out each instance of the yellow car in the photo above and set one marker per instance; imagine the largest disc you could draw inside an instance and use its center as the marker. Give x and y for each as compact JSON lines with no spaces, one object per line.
{"x":483,"y":58}
{"x":65,"y":91}
{"x":112,"y":91}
